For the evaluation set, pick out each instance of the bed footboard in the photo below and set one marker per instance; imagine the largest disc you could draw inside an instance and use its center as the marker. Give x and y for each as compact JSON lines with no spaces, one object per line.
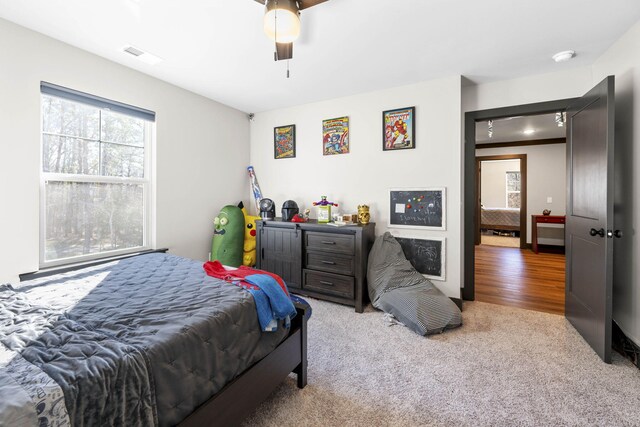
{"x":237,"y":399}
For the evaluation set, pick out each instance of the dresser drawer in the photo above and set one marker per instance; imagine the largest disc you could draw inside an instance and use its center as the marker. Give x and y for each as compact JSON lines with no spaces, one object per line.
{"x":328,"y":283}
{"x":551,"y":219}
{"x":330,"y":242}
{"x":342,"y":264}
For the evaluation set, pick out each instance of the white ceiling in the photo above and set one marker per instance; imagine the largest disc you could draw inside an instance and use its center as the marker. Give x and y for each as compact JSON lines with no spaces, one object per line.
{"x":512,"y":129}
{"x":217,"y":48}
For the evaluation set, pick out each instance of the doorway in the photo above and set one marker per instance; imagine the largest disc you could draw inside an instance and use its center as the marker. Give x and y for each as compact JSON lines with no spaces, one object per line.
{"x":472,"y":213}
{"x":589,"y":225}
{"x":502,"y":200}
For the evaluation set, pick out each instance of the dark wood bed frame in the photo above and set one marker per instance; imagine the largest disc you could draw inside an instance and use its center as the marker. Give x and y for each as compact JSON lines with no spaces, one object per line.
{"x":241,"y":396}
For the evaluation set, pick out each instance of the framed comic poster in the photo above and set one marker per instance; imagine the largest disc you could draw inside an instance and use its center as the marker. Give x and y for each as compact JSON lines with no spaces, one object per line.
{"x":335,"y":136}
{"x":399,"y":129}
{"x":427,"y":256}
{"x":284,"y":142}
{"x":423,"y":208}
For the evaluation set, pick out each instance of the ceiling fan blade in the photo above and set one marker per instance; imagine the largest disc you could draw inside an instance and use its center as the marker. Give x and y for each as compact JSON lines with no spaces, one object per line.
{"x":305,"y":4}
{"x":283,"y":51}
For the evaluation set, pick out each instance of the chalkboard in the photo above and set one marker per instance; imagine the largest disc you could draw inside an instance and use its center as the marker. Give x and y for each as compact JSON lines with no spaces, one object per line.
{"x":417,"y":208}
{"x":426,"y":255}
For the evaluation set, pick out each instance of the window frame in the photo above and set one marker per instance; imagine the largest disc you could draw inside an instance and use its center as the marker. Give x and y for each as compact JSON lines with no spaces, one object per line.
{"x":507,"y":191}
{"x":148,"y":233}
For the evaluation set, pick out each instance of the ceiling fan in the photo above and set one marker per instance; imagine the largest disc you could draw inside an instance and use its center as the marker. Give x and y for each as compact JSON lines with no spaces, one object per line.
{"x":282,"y":23}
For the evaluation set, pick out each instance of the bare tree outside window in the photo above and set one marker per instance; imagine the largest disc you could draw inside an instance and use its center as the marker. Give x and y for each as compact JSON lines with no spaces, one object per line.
{"x":95,"y":180}
{"x":513,"y":189}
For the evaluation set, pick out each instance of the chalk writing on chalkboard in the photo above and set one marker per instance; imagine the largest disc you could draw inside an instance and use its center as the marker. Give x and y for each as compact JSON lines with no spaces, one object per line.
{"x":426,"y":255}
{"x":417,"y":208}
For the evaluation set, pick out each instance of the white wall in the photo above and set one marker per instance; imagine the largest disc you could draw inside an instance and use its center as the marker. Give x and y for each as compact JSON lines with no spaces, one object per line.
{"x":493,"y":181}
{"x":566,"y":83}
{"x":546,"y":177}
{"x":366,"y":173}
{"x":623,"y":61}
{"x":202,"y":146}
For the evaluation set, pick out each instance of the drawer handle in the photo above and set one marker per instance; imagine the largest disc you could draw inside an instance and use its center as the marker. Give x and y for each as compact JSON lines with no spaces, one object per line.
{"x":326,"y":283}
{"x":329,"y":262}
{"x":327,"y":242}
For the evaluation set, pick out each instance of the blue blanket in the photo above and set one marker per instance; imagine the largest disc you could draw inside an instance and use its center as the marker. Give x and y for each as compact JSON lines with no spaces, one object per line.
{"x":272,"y":303}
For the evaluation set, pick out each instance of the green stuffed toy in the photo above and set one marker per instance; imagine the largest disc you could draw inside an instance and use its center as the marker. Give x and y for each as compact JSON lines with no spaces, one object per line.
{"x":228,"y":236}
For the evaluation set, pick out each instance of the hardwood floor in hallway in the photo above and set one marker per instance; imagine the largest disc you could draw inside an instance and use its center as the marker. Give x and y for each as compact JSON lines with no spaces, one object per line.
{"x":520,"y":278}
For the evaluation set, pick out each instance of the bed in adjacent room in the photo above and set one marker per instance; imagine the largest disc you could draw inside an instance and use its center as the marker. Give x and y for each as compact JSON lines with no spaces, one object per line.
{"x":499,"y":218}
{"x":147,"y":340}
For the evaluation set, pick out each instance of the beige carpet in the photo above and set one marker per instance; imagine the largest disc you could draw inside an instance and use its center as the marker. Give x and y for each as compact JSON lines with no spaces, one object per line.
{"x":509,"y":242}
{"x":504,"y":367}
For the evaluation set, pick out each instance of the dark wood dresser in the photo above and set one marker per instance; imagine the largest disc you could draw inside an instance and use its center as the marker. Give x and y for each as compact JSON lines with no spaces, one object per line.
{"x":318,"y":260}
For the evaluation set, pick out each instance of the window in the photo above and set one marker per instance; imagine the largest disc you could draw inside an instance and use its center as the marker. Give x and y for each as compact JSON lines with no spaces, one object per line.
{"x":95,"y":177}
{"x":513,"y":189}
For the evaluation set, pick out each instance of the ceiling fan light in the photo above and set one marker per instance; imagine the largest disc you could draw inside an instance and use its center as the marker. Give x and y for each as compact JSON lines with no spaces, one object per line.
{"x":282,"y":21}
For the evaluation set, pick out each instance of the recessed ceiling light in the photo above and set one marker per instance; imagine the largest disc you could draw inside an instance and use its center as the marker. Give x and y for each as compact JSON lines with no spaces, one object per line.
{"x":529,"y":131}
{"x":564,"y":55}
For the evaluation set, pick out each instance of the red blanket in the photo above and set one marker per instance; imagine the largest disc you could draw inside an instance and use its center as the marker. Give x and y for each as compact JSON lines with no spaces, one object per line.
{"x":215,"y":269}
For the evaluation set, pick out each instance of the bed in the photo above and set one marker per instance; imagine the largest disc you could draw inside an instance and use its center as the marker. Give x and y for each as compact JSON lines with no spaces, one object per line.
{"x":499,"y":219}
{"x":148,"y":340}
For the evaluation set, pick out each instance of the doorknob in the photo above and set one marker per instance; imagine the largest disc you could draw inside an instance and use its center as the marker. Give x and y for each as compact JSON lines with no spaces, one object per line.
{"x":595,"y":232}
{"x":611,"y":234}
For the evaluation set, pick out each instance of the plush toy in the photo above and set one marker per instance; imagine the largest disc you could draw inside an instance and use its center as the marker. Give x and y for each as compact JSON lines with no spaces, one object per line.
{"x":250,"y":230}
{"x":228,"y":236}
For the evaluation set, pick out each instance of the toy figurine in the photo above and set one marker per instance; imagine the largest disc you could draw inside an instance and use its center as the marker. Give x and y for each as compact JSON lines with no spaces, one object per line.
{"x":363,"y":214}
{"x":323,"y":202}
{"x":302,"y":217}
{"x":324,"y":209}
{"x":250,"y":230}
{"x":289,"y":210}
{"x":228,"y":236}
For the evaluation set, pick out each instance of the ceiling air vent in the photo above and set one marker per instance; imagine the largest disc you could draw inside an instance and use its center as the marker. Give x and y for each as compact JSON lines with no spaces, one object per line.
{"x":141,"y":55}
{"x":133,"y":51}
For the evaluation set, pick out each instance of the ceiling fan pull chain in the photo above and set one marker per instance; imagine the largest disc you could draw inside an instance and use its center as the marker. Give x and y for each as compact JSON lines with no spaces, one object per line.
{"x":275,"y":30}
{"x":287,"y":68}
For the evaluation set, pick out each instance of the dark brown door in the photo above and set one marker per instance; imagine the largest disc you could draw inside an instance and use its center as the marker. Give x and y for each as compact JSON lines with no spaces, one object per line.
{"x":589,"y":247}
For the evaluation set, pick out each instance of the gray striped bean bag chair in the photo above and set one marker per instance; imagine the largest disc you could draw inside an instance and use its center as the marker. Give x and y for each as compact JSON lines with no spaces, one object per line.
{"x":395,"y":287}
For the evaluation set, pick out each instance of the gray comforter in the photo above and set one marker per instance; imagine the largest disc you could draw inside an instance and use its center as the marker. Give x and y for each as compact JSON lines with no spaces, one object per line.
{"x":497,"y":217}
{"x":141,"y":341}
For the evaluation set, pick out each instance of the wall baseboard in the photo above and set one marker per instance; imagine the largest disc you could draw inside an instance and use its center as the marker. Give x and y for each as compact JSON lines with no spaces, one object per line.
{"x":457,"y":301}
{"x":623,"y":345}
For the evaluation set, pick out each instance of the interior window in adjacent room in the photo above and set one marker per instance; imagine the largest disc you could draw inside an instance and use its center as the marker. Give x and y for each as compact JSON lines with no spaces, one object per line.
{"x":95,"y":177}
{"x":513,"y":189}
